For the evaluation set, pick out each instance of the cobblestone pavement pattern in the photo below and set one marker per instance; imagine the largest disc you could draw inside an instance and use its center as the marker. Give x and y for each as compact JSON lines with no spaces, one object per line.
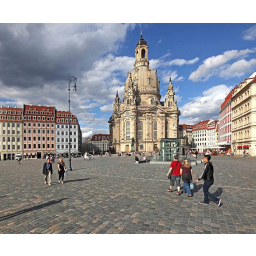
{"x":113,"y":195}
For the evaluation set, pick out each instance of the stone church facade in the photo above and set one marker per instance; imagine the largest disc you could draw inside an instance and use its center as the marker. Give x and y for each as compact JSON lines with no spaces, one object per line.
{"x":141,"y":120}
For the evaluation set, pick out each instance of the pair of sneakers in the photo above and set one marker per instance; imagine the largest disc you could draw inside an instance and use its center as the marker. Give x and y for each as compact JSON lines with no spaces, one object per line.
{"x":170,"y":190}
{"x":218,"y":204}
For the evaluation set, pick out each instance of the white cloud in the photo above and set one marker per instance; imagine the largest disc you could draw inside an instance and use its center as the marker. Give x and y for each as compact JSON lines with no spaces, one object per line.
{"x":107,"y":108}
{"x":180,"y":79}
{"x":159,"y":42}
{"x":87,"y":134}
{"x":181,"y":62}
{"x":162,"y":62}
{"x":177,"y":98}
{"x":250,"y":34}
{"x":213,"y":65}
{"x":166,"y":74}
{"x":206,"y":106}
{"x":239,"y":68}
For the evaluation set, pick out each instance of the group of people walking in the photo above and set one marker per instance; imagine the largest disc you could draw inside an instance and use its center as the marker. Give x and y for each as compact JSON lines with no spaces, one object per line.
{"x":184,"y":171}
{"x":48,"y":170}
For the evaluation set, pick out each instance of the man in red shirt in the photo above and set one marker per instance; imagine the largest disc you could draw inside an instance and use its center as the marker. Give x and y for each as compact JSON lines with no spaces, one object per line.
{"x":175,"y":171}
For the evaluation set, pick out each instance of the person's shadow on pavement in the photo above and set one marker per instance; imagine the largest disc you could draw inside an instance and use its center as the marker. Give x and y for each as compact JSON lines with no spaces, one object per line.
{"x":218,"y":192}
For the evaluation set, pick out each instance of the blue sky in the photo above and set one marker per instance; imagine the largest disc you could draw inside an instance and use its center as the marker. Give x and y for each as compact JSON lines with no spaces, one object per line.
{"x":204,"y":60}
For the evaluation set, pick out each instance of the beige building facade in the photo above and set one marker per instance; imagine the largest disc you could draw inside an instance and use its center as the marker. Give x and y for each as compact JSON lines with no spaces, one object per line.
{"x":244,"y":117}
{"x":141,"y":120}
{"x":10,"y":132}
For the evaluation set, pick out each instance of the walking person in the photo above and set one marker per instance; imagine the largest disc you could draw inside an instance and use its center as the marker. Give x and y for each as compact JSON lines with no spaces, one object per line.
{"x":196,"y":153}
{"x":186,"y":174}
{"x":208,"y":178}
{"x":47,"y":171}
{"x":61,"y":170}
{"x":174,"y":174}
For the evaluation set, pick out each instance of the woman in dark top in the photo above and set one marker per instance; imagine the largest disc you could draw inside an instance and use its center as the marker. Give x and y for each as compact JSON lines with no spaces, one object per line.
{"x":61,"y":170}
{"x":186,"y":173}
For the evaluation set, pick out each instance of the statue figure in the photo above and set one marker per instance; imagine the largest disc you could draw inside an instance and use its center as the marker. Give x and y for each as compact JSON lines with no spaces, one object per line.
{"x":133,"y":140}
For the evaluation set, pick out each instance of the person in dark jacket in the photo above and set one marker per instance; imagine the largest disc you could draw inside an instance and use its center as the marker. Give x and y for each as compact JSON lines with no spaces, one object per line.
{"x":47,"y":171}
{"x":207,"y":176}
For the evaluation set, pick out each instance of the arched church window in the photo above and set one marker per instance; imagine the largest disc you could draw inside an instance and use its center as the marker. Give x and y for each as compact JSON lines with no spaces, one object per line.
{"x":155,"y":129}
{"x":140,"y":130}
{"x":143,"y":53}
{"x":128,"y":102}
{"x":169,"y":104}
{"x":127,"y":130}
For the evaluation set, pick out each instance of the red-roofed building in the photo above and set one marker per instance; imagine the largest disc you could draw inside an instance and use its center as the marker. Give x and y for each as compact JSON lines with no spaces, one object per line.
{"x":62,"y":133}
{"x":225,"y":122}
{"x":38,"y":131}
{"x":205,"y":135}
{"x":100,"y":143}
{"x":10,"y":132}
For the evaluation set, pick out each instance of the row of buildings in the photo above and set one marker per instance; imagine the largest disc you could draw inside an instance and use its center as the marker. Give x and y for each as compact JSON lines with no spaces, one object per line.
{"x":238,"y":118}
{"x":34,"y":131}
{"x":235,"y":131}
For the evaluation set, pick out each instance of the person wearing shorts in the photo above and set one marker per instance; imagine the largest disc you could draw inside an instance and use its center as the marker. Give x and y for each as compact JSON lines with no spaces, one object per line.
{"x":175,"y":171}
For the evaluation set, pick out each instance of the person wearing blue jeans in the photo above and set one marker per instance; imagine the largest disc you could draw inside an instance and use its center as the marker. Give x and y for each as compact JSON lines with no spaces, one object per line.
{"x":186,"y":174}
{"x":207,"y":176}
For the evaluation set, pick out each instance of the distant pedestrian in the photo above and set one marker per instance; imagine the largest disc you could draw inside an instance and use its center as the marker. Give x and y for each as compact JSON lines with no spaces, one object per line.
{"x":47,"y":171}
{"x":244,"y":153}
{"x":208,"y":178}
{"x":61,"y":170}
{"x":175,"y":174}
{"x":186,"y":174}
{"x":196,"y":153}
{"x":18,"y":160}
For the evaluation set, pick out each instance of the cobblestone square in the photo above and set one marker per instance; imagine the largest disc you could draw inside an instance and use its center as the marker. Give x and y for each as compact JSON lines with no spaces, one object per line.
{"x":112,"y":195}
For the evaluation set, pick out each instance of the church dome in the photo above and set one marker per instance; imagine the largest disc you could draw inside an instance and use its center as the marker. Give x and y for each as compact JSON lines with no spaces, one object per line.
{"x":142,"y":41}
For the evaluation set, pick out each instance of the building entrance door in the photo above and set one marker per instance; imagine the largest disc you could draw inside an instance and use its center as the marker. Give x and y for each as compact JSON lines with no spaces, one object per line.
{"x":127,"y":148}
{"x":39,"y":155}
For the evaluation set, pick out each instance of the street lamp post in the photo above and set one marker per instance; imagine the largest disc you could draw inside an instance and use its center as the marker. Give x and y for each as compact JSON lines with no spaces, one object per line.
{"x":70,"y":80}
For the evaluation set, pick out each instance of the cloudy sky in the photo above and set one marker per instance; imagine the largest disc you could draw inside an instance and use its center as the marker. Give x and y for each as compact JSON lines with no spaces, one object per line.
{"x":205,"y":62}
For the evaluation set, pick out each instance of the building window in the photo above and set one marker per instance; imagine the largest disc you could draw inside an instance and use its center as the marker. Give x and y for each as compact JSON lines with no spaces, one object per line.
{"x":143,"y":53}
{"x":140,"y":130}
{"x":127,"y":130}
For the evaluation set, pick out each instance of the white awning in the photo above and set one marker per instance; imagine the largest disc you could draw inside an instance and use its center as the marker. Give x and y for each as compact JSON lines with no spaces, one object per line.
{"x":215,"y":147}
{"x":224,"y":143}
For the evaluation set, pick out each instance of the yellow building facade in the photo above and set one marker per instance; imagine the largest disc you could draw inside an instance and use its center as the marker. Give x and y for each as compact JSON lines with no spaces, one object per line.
{"x":244,"y":117}
{"x":141,"y":120}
